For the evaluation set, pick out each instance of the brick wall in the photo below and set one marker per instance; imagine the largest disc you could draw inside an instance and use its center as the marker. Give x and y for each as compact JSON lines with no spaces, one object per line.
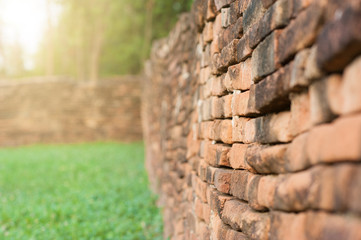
{"x":57,"y":110}
{"x":252,"y":120}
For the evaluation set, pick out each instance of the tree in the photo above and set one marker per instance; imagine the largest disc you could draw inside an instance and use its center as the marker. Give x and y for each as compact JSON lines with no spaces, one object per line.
{"x":102,"y":38}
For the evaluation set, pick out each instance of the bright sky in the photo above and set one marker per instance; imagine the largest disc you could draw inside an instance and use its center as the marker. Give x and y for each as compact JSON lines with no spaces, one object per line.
{"x":26,"y":21}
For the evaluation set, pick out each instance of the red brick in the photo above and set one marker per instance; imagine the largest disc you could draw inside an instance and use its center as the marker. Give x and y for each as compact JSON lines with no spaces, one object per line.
{"x":243,"y":48}
{"x":222,"y":180}
{"x":269,"y":129}
{"x":217,"y":154}
{"x":253,"y":13}
{"x":300,"y":113}
{"x":299,"y":34}
{"x":340,"y":41}
{"x":237,"y":156}
{"x":238,"y":128}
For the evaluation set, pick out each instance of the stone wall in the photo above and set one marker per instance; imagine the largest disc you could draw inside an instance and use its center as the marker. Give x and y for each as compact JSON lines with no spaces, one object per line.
{"x":252,"y":120}
{"x":58,"y":110}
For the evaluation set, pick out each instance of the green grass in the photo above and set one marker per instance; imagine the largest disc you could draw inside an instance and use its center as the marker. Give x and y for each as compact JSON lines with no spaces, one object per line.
{"x":83,"y":191}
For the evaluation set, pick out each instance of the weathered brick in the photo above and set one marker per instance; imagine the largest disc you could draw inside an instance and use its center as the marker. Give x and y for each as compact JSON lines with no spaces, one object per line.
{"x":218,"y":87}
{"x":239,"y":216}
{"x":313,"y":225}
{"x":243,"y":48}
{"x":226,"y":17}
{"x":252,"y":14}
{"x":263,"y":58}
{"x":340,"y":41}
{"x":239,"y":183}
{"x":227,"y":106}
{"x":298,"y":79}
{"x":238,"y":128}
{"x":269,"y":129}
{"x":217,"y":154}
{"x":271,"y":94}
{"x":222,"y":180}
{"x":320,"y":108}
{"x":228,"y":56}
{"x":276,"y":16}
{"x":208,"y":33}
{"x":239,"y":76}
{"x":300,"y":113}
{"x":211,"y":10}
{"x":237,"y":156}
{"x":266,"y":159}
{"x":299,"y":34}
{"x":222,"y":3}
{"x":312,"y":71}
{"x":217,"y":107}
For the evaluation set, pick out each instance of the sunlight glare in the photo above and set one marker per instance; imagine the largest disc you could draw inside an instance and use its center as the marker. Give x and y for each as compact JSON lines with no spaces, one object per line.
{"x":24,"y":21}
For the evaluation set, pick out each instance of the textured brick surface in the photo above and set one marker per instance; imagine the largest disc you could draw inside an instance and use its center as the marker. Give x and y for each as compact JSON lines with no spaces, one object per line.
{"x":263,"y":138}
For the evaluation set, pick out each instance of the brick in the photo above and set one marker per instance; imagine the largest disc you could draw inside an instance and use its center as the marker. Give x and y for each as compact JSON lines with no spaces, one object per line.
{"x":340,"y":41}
{"x":208,"y":33}
{"x":234,"y":31}
{"x":266,"y":190}
{"x":222,"y":180}
{"x":238,"y":128}
{"x":217,"y":154}
{"x":243,"y":48}
{"x":200,"y":188}
{"x":312,"y":71}
{"x":237,"y":156}
{"x":351,"y":89}
{"x":217,"y":86}
{"x":240,"y":217}
{"x":296,"y":158}
{"x":226,"y":17}
{"x":206,"y":57}
{"x":313,"y":225}
{"x":227,"y":57}
{"x":320,"y":108}
{"x":277,"y":16}
{"x":300,"y":113}
{"x":199,"y":9}
{"x":263,"y":58}
{"x":252,"y":14}
{"x":271,"y":94}
{"x":217,"y":27}
{"x":266,"y":159}
{"x":241,"y":106}
{"x":217,"y":201}
{"x":222,"y":3}
{"x":326,"y":143}
{"x":217,"y":107}
{"x":239,"y":76}
{"x":269,"y":129}
{"x":211,"y":10}
{"x":299,"y":34}
{"x":204,"y":75}
{"x":239,"y":183}
{"x":298,"y":79}
{"x":227,"y":100}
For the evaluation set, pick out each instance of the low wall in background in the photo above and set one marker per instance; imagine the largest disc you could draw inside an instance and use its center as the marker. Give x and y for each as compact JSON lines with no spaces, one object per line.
{"x":58,"y":110}
{"x":252,"y":120}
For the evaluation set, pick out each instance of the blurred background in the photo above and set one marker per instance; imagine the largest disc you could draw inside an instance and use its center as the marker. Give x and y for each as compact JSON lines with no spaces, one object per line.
{"x":83,"y":39}
{"x":70,"y":90}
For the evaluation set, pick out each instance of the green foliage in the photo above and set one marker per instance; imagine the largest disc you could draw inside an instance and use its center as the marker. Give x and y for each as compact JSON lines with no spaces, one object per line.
{"x":86,"y":191}
{"x":125,"y":42}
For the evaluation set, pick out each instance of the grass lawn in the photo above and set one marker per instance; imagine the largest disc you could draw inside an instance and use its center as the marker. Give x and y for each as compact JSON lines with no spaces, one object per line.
{"x":82,"y":191}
